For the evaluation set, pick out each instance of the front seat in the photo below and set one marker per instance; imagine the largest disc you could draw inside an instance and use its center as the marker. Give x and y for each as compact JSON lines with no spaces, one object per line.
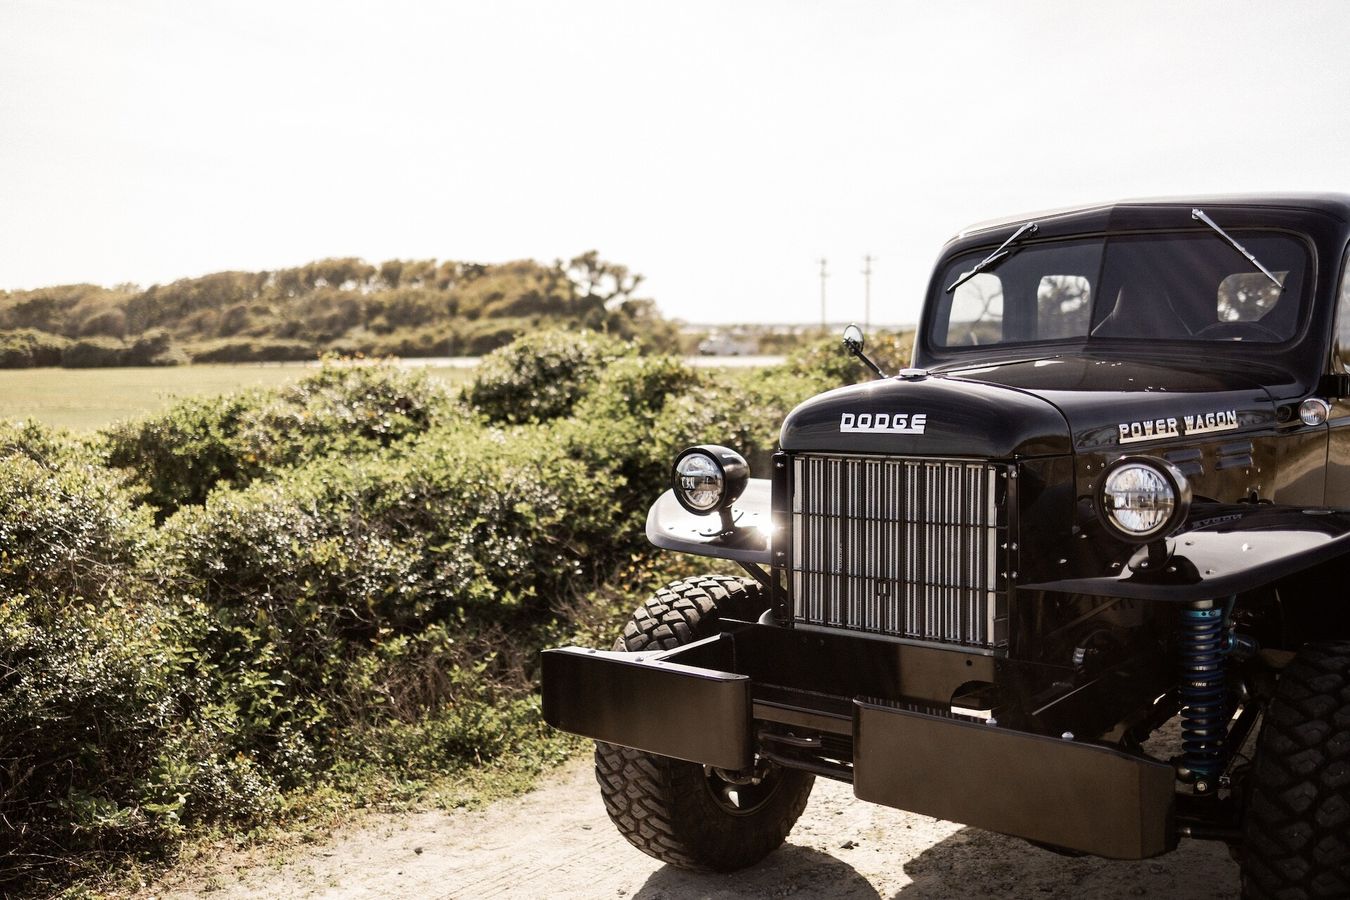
{"x":1142,"y":310}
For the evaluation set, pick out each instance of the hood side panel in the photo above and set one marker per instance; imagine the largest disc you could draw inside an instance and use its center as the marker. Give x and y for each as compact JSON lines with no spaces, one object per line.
{"x":1112,"y":405}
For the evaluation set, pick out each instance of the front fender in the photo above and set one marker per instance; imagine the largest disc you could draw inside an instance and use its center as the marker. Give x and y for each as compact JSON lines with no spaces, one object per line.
{"x":672,"y":527}
{"x":1224,"y":549}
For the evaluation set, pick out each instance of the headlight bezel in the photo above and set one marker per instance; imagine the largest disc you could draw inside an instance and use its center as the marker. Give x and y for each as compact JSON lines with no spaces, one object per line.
{"x":1175,"y":482}
{"x":731,"y":468}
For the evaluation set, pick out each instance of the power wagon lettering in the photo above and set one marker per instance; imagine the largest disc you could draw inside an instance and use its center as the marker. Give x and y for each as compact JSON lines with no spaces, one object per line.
{"x":1215,"y":421}
{"x":883,"y":423}
{"x":1153,"y":429}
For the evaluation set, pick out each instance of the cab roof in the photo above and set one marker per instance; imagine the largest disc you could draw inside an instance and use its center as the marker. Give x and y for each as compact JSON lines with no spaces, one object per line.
{"x":1335,"y":205}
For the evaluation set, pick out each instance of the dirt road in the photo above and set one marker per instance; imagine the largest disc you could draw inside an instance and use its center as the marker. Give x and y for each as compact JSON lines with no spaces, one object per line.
{"x":557,"y":842}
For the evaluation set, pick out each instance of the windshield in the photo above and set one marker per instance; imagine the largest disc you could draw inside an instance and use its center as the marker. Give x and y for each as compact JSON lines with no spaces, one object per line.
{"x":1183,"y":287}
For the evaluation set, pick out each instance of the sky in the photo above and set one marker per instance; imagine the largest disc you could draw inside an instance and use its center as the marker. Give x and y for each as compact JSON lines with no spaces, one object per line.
{"x":719,"y":148}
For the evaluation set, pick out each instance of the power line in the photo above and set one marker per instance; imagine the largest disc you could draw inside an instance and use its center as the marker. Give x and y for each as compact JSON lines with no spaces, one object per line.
{"x":867,"y":291}
{"x":823,"y":275}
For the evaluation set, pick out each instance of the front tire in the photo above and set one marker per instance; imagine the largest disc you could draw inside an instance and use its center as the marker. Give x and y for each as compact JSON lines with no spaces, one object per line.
{"x":685,"y":814}
{"x":1297,"y":825}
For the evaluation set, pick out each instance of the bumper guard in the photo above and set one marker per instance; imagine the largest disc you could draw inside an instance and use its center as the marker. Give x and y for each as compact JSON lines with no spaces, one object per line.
{"x":702,"y":702}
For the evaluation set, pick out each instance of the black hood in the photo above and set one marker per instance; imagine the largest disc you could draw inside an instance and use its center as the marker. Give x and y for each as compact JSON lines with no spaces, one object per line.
{"x":1040,"y":407}
{"x":929,"y":415}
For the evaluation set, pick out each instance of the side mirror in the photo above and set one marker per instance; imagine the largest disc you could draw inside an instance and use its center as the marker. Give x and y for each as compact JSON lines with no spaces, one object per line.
{"x":853,"y":343}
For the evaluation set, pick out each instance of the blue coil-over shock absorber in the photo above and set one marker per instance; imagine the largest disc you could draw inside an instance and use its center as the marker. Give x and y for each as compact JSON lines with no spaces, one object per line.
{"x":1204,"y":693}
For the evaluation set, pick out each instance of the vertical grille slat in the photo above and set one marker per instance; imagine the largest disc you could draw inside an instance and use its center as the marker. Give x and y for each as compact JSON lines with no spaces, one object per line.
{"x":903,"y":547}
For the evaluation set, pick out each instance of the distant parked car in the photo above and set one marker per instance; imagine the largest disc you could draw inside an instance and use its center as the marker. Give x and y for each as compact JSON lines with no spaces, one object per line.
{"x":725,"y":345}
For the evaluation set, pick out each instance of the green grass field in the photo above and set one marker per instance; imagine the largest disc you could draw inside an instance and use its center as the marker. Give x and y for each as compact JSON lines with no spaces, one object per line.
{"x":86,"y":399}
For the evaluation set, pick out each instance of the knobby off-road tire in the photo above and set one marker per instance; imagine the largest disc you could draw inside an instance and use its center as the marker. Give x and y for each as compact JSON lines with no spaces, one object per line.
{"x":1297,"y":825}
{"x":683,"y":813}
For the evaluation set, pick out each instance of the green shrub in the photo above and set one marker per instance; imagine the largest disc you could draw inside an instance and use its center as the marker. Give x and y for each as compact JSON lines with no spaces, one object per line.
{"x":108,"y":745}
{"x":103,"y":320}
{"x":26,"y":348}
{"x":302,"y":575}
{"x":463,"y":519}
{"x":93,"y":352}
{"x":67,"y":675}
{"x":53,"y":448}
{"x":251,"y":349}
{"x":264,"y":568}
{"x":344,"y":409}
{"x":541,"y":375}
{"x":617,"y":428}
{"x":480,"y":726}
{"x":67,"y":530}
{"x":103,"y":732}
{"x":482,"y":336}
{"x":154,"y":348}
{"x":178,"y":456}
{"x":437,"y":340}
{"x":638,"y":386}
{"x":434,"y":700}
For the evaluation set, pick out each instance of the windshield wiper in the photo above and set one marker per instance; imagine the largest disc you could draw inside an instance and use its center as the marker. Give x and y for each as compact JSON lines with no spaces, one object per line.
{"x":994,"y":258}
{"x":1200,"y":214}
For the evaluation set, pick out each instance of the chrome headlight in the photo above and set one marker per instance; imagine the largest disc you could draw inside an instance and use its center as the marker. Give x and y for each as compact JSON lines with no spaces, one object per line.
{"x":1143,"y":498}
{"x":709,"y":478}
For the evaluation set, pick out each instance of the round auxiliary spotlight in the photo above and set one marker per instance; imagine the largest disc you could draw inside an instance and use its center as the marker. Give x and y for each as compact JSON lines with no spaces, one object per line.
{"x":709,"y":478}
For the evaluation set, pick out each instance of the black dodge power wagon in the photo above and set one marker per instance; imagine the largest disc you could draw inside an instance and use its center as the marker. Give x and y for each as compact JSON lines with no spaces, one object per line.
{"x":1112,"y":493}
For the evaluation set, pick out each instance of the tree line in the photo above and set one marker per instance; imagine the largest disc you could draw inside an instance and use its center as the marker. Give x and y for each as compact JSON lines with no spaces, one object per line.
{"x":396,"y":308}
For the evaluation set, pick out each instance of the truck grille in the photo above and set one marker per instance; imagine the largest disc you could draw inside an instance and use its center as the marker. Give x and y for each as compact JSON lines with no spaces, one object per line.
{"x":912,"y":548}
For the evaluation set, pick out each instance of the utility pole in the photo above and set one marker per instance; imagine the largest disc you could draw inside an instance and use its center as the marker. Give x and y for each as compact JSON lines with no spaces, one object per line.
{"x":867,"y":291}
{"x":824,"y":328}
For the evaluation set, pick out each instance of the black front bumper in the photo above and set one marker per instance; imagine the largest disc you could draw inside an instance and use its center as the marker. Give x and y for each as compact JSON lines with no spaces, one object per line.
{"x":877,"y":714}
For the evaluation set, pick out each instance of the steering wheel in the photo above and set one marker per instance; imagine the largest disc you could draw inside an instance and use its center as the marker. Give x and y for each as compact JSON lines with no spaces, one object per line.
{"x":1237,"y":331}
